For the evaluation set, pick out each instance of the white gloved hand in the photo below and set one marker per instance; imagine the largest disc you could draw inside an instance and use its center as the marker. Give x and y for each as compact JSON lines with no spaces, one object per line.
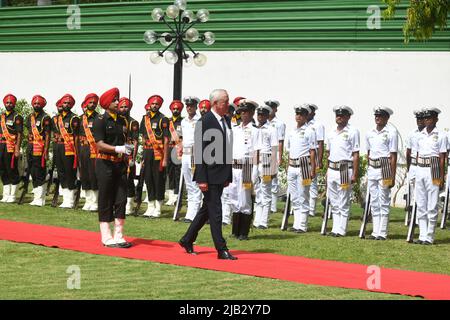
{"x":129,"y":148}
{"x":120,"y":149}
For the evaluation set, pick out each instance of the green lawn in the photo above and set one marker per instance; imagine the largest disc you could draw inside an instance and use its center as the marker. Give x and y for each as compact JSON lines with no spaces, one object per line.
{"x":32,"y":272}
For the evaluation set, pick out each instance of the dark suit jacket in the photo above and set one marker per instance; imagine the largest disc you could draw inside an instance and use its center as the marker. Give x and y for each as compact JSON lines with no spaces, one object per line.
{"x":218,"y":171}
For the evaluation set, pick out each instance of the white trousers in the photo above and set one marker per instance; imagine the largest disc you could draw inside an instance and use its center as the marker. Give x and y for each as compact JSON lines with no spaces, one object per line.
{"x":239,"y":198}
{"x":340,"y":200}
{"x":380,"y":200}
{"x":427,"y":197}
{"x":313,"y":194}
{"x":194,"y":194}
{"x":274,"y":190}
{"x":263,"y":200}
{"x":299,"y":198}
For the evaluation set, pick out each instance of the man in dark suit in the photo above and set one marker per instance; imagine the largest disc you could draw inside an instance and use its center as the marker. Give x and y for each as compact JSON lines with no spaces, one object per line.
{"x":213,"y":172}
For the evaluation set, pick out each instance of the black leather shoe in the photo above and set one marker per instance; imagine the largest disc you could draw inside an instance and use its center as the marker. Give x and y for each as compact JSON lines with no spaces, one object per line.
{"x":371,"y":237}
{"x":225,"y":255}
{"x":187,"y":221}
{"x":380,"y":238}
{"x":338,"y":235}
{"x":417,"y":241}
{"x":426,"y":243}
{"x":124,"y":245}
{"x":243,"y":237}
{"x":262,"y":227}
{"x":188,"y":247}
{"x":332,"y":234}
{"x":299,"y":231}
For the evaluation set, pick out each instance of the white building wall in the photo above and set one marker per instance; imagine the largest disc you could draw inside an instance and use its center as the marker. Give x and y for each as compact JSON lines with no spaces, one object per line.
{"x":403,"y":81}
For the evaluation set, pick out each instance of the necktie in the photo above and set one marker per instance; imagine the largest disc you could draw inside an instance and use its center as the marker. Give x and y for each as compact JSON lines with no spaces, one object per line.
{"x":224,"y":125}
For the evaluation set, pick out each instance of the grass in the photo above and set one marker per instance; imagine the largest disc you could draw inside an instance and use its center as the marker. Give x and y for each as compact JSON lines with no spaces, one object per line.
{"x":35,"y":272}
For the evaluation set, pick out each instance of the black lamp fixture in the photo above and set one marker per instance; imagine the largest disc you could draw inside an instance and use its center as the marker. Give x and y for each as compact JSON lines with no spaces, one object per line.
{"x":177,"y":39}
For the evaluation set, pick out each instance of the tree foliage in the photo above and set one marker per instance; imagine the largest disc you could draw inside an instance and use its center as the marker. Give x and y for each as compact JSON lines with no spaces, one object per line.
{"x":423,"y":17}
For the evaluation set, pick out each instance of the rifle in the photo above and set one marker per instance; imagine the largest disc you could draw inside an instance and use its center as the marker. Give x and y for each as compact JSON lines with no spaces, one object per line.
{"x":179,"y":202}
{"x":139,"y":188}
{"x":408,"y":207}
{"x":365,"y":218}
{"x":326,"y":216}
{"x":412,"y":224}
{"x":26,"y":182}
{"x":287,"y":212}
{"x":50,"y":179}
{"x":56,"y":194}
{"x":77,"y":194}
{"x":445,"y":208}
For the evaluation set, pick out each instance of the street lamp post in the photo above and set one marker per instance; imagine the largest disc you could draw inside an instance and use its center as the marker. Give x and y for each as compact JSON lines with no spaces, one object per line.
{"x":176,"y":40}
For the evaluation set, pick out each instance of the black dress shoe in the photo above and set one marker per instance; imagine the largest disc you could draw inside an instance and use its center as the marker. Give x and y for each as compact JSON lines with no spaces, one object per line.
{"x":225,"y":255}
{"x":426,"y":243}
{"x":380,"y":238}
{"x":187,"y":221}
{"x":299,"y":231}
{"x":243,"y":237}
{"x":332,"y":234}
{"x":371,"y":237}
{"x":188,"y":247}
{"x":262,"y":227}
{"x":124,"y":245}
{"x":417,"y":241}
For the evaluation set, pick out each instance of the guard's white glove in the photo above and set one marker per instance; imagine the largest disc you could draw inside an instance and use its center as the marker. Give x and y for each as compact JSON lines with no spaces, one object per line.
{"x":125,"y":149}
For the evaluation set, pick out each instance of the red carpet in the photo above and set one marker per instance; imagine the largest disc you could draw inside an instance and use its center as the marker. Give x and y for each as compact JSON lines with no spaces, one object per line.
{"x":267,"y":265}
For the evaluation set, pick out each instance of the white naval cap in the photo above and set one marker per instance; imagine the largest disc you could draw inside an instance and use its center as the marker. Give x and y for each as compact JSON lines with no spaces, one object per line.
{"x":313,"y":107}
{"x":430,"y":112}
{"x":247,"y":104}
{"x":383,"y":111}
{"x":191,"y":100}
{"x":303,"y":107}
{"x":341,"y":110}
{"x":272,"y":103}
{"x":264,"y":109}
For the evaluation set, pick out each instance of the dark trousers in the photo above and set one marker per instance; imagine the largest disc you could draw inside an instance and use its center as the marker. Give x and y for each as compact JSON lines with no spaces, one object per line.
{"x":173,"y":173}
{"x":112,"y":190}
{"x":38,"y":172}
{"x":131,"y":187}
{"x":87,"y":169}
{"x":64,"y":164}
{"x":154,"y":177}
{"x":9,"y":175}
{"x":212,"y":210}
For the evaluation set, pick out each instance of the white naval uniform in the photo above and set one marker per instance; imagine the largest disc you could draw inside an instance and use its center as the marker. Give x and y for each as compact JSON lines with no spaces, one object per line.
{"x":267,"y":141}
{"x":341,"y":146}
{"x":313,"y":190}
{"x":244,"y":144}
{"x":427,"y":194}
{"x":299,"y":143}
{"x":411,"y":143}
{"x":194,"y":194}
{"x":280,"y":127}
{"x":380,"y":144}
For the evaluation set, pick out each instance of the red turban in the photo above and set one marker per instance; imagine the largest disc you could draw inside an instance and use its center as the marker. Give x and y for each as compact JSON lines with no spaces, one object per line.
{"x":237,"y":99}
{"x":70,"y":99}
{"x":39,"y":99}
{"x":11,"y":98}
{"x":155,"y":99}
{"x":59,"y":103}
{"x":204,"y":104}
{"x":108,"y":97}
{"x":176,"y":104}
{"x":147,"y":106}
{"x":127,"y":102}
{"x":88,"y":99}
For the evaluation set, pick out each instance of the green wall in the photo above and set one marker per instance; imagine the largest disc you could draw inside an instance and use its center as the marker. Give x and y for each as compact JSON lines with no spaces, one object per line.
{"x":238,"y":25}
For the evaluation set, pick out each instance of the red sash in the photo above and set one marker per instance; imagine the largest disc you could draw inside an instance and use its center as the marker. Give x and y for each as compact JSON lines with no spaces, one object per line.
{"x":69,"y":146}
{"x":38,"y":142}
{"x":10,"y":139}
{"x":158,"y":148}
{"x":90,"y":138}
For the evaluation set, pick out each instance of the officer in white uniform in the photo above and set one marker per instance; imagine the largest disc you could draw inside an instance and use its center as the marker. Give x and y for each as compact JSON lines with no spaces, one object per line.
{"x":382,"y":148}
{"x":319,"y":129}
{"x":194,"y":195}
{"x":267,"y":147}
{"x":343,"y":145}
{"x":411,"y":145}
{"x":245,"y":142}
{"x":432,"y":151}
{"x":301,"y":143}
{"x":280,"y":127}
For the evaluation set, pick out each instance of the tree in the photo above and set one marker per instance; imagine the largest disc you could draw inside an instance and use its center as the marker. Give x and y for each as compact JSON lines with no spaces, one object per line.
{"x":422,"y":17}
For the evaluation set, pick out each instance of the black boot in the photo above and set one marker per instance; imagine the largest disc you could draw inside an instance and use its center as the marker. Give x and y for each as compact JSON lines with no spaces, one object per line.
{"x":235,"y":221}
{"x":244,"y":226}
